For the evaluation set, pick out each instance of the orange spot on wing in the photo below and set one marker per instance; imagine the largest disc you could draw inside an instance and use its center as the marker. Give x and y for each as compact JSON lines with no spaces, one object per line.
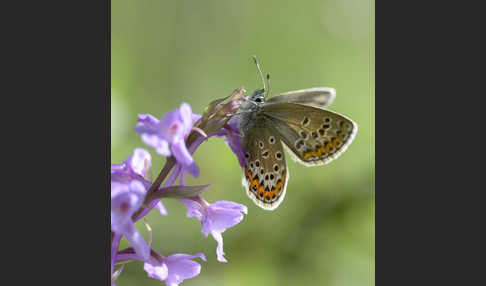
{"x":248,"y":173}
{"x":310,"y":154}
{"x":254,"y":183}
{"x":267,"y":193}
{"x":260,"y":188}
{"x":273,"y":192}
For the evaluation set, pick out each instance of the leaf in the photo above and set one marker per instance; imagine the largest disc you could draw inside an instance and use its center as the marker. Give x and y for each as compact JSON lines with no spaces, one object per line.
{"x":178,"y":192}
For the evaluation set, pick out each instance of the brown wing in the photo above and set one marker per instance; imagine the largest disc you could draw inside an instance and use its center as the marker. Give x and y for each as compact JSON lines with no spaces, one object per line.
{"x":316,"y":96}
{"x":265,"y":173}
{"x":314,"y":136}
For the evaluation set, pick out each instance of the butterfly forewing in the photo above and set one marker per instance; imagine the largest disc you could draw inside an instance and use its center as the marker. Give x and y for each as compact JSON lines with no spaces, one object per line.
{"x":265,"y":172}
{"x":316,"y":96}
{"x":314,"y":136}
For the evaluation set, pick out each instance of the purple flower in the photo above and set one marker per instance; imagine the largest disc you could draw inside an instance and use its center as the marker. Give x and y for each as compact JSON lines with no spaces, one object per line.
{"x":126,"y":198}
{"x":131,"y":180}
{"x":173,"y":269}
{"x":136,"y":167}
{"x":168,"y":135}
{"x":129,"y":183}
{"x":215,"y":218}
{"x":232,"y":136}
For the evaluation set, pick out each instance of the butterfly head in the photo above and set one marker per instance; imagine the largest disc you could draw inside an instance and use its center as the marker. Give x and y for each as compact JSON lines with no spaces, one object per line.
{"x":258,"y":96}
{"x":255,"y":100}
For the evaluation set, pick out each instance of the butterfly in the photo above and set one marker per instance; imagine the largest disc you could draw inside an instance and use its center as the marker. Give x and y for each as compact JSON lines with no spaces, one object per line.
{"x":296,"y":121}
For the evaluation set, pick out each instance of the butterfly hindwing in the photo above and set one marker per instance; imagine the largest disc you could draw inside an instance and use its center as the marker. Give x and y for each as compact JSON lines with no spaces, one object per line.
{"x":314,"y":136}
{"x":265,"y":173}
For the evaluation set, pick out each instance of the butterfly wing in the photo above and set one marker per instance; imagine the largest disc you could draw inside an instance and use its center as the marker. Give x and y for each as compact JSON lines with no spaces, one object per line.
{"x":314,"y":136}
{"x":317,"y":96}
{"x":265,"y":173}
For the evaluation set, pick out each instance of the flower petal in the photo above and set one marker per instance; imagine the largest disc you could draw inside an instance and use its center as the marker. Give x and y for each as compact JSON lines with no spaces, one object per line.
{"x":219,"y":250}
{"x":233,"y":141}
{"x":186,"y":117}
{"x":117,"y":168}
{"x":139,"y":161}
{"x":192,"y":169}
{"x":156,"y":270}
{"x":161,"y":208}
{"x":163,"y":148}
{"x":126,"y":200}
{"x":147,"y":124}
{"x":136,"y":240}
{"x":194,"y":209}
{"x":230,"y":205}
{"x":181,"y":267}
{"x":182,"y":176}
{"x":160,"y":145}
{"x":171,"y":126}
{"x":117,"y":188}
{"x":120,"y":173}
{"x":179,"y":256}
{"x":221,"y":215}
{"x":180,"y":152}
{"x":137,"y":187}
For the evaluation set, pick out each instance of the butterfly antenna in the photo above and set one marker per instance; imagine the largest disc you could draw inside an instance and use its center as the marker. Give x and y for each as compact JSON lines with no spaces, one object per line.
{"x":260,"y":71}
{"x":268,"y":84}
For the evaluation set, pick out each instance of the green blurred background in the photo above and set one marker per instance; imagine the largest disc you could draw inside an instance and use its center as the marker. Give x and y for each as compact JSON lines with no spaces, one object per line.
{"x":164,"y":53}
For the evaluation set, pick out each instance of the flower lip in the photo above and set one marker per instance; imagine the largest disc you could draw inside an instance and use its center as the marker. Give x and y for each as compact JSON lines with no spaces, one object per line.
{"x":125,"y":200}
{"x":175,"y":268}
{"x":168,"y":134}
{"x":136,"y":167}
{"x":215,"y":218}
